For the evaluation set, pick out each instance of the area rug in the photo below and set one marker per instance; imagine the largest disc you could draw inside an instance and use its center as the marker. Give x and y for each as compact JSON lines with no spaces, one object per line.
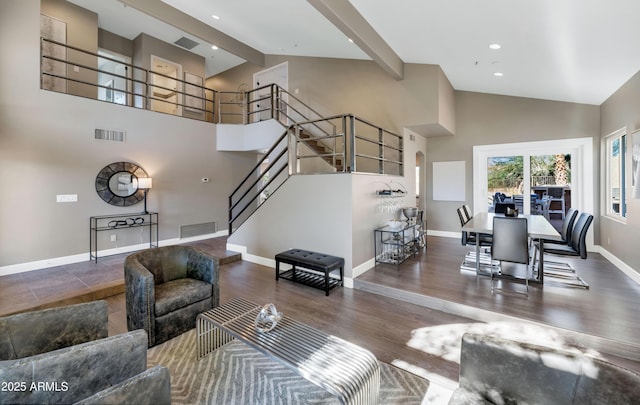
{"x":238,"y":374}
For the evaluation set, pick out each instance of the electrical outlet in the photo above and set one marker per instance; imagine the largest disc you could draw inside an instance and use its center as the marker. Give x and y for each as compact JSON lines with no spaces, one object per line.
{"x":114,"y":238}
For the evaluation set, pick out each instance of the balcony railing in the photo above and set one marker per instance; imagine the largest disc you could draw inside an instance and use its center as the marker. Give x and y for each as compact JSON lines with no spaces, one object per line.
{"x":68,"y":69}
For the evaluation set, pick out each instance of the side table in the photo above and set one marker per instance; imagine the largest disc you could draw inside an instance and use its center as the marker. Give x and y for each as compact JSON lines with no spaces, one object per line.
{"x":113,"y":222}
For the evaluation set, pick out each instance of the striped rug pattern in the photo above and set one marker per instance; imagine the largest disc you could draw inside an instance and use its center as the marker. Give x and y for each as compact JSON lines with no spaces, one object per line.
{"x":237,"y":374}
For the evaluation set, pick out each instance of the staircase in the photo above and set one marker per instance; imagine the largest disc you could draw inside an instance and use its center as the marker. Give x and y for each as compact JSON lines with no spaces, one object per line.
{"x":335,"y":144}
{"x":324,"y":152}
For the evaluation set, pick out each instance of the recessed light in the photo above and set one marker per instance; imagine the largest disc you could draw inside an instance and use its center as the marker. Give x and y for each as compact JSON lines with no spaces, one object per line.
{"x":498,"y":74}
{"x":214,"y":47}
{"x":215,"y":17}
{"x":350,"y":40}
{"x":495,"y":46}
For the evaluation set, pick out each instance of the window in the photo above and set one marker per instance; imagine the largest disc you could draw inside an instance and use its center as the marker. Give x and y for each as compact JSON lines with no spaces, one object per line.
{"x":577,"y":153}
{"x":615,"y":194}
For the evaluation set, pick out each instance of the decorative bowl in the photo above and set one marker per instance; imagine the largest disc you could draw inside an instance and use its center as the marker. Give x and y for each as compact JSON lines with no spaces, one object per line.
{"x":410,"y":212}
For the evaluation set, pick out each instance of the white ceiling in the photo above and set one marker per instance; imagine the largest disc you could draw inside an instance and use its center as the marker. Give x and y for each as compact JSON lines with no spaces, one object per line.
{"x":568,"y":50}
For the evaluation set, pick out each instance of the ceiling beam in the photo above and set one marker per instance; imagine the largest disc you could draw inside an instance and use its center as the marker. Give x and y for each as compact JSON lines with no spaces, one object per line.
{"x":347,"y":19}
{"x":197,"y":28}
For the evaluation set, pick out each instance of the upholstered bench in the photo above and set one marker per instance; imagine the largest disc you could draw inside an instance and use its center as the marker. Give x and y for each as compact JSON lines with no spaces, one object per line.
{"x":317,"y":262}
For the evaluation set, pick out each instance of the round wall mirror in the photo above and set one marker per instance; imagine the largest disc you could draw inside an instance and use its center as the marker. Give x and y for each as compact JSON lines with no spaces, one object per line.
{"x":117,"y":184}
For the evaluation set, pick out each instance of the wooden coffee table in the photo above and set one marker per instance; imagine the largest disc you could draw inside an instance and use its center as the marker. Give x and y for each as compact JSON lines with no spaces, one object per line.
{"x":344,"y":369}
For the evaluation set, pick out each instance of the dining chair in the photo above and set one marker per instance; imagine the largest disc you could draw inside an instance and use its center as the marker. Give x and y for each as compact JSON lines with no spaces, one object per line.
{"x":467,"y":210}
{"x":541,"y":206}
{"x":511,"y":249}
{"x":556,"y":194}
{"x":565,"y":234}
{"x":576,"y":247}
{"x":470,"y":239}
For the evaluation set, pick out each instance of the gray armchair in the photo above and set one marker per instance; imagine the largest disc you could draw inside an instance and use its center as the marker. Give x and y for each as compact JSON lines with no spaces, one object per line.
{"x":494,"y":370}
{"x":167,"y":287}
{"x":62,"y":355}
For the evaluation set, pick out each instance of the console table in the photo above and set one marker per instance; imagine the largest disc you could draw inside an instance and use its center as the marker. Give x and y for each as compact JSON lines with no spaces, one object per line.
{"x":346,"y":370}
{"x":114,"y":222}
{"x":395,"y":245}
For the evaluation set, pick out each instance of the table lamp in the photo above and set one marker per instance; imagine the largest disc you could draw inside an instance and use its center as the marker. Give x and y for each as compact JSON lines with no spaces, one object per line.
{"x":145,"y":183}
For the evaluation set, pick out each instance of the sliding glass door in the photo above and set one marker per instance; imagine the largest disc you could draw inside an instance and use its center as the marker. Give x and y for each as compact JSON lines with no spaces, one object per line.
{"x":505,"y":175}
{"x":525,"y":172}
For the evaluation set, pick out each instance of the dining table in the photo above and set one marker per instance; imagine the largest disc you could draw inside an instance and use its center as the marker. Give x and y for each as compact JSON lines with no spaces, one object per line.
{"x":539,"y":228}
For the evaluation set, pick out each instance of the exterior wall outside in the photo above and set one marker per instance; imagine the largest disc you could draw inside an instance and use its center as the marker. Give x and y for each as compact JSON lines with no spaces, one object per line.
{"x":47,"y":147}
{"x":485,"y":119}
{"x":620,"y":110}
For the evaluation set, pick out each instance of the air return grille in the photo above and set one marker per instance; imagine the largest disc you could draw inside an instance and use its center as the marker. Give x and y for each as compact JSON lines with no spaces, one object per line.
{"x":187,"y":231}
{"x":110,"y":135}
{"x":186,"y":43}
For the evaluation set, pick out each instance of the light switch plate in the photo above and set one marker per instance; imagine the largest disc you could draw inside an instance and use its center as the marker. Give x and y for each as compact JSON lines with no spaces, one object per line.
{"x":61,"y":198}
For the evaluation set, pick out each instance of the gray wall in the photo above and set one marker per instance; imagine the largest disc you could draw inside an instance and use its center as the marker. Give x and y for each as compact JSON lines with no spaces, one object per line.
{"x":357,"y":86}
{"x":620,"y":110}
{"x":47,"y":148}
{"x":339,"y":86}
{"x":82,"y":32}
{"x":484,"y":119}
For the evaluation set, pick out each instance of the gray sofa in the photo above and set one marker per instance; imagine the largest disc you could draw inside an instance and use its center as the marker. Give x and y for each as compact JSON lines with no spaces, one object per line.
{"x":167,"y":287}
{"x":500,"y":371}
{"x":63,"y":355}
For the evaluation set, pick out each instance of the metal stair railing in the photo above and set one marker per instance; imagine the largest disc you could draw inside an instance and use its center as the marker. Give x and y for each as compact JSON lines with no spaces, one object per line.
{"x":362,"y":147}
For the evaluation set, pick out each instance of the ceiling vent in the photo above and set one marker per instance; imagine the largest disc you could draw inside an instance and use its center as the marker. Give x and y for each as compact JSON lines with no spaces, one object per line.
{"x":110,"y":135}
{"x":186,"y":43}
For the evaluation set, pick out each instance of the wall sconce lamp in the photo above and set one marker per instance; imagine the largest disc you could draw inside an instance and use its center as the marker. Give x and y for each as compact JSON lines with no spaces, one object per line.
{"x":145,"y":183}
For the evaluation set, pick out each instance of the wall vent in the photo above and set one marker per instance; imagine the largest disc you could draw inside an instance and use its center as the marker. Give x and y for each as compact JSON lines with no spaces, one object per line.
{"x":187,"y":231}
{"x":186,"y":43}
{"x":110,"y":135}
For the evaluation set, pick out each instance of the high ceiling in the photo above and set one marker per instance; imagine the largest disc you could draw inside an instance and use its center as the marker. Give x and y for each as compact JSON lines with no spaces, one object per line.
{"x":569,"y":50}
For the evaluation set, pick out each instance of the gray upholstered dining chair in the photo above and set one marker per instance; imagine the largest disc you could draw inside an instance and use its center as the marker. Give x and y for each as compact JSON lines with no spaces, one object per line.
{"x":511,"y":249}
{"x":565,"y":234}
{"x":470,"y":239}
{"x":577,"y":242}
{"x":167,"y":287}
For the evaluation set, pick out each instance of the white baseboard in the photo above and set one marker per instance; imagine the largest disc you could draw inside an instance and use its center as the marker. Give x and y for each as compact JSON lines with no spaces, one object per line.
{"x":364,"y":267}
{"x":251,"y":258}
{"x":347,"y":281}
{"x":622,"y":266}
{"x":444,"y":234}
{"x":83,"y":257}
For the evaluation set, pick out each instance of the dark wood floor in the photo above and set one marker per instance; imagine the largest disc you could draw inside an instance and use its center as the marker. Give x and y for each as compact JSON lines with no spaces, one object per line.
{"x":424,"y":340}
{"x":608,"y":309}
